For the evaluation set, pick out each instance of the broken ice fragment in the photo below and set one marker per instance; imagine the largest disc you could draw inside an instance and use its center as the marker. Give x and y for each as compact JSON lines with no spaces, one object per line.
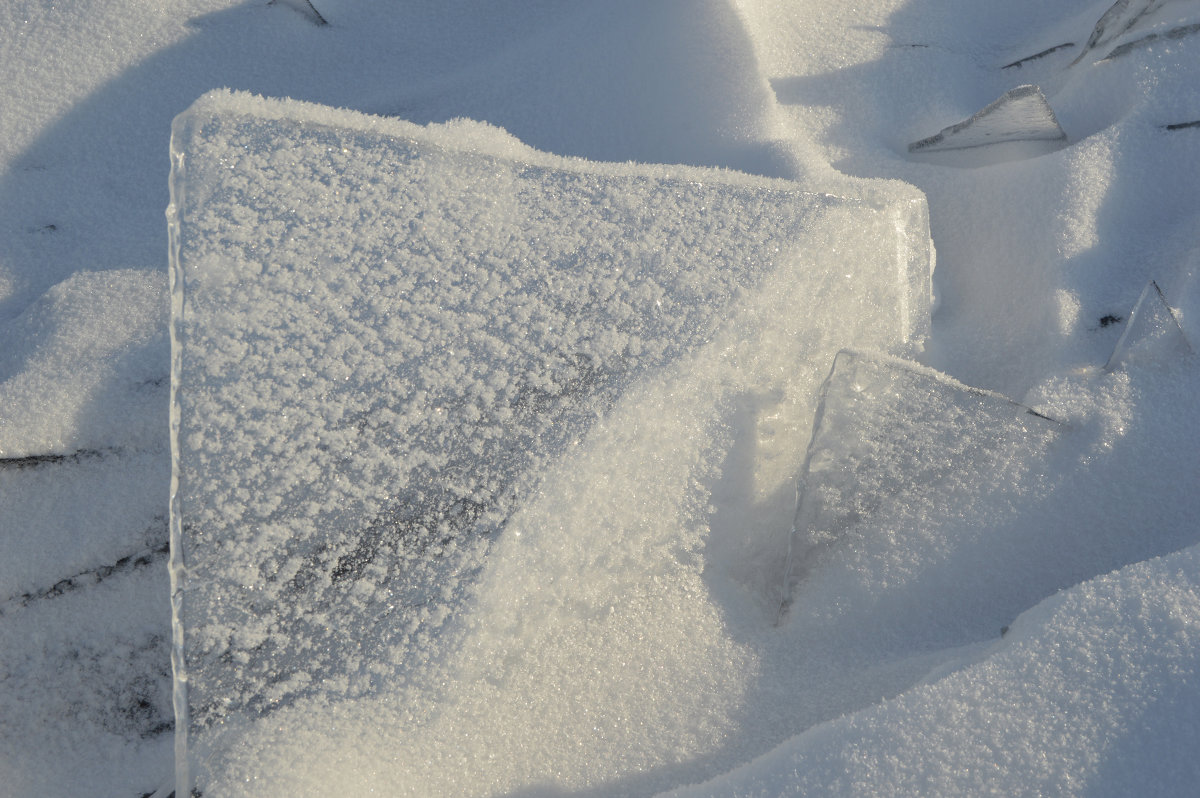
{"x":1020,"y":115}
{"x":1152,"y":332}
{"x":1174,"y":34}
{"x":1020,"y":62}
{"x":893,"y":439}
{"x":306,"y":8}
{"x":1120,"y":18}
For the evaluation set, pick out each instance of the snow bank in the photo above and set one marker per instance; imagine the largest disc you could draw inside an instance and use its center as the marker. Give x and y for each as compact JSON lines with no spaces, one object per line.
{"x":1090,"y":693}
{"x":84,"y":365}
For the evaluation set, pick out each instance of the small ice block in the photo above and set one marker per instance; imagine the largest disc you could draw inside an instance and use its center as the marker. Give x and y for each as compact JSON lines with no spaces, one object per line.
{"x":893,"y":440}
{"x":384,"y":334}
{"x":1152,"y":332}
{"x":1021,"y":118}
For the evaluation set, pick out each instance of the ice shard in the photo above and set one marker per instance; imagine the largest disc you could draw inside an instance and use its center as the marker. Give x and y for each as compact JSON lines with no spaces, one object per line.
{"x":1151,"y":333}
{"x":893,"y":441}
{"x":1021,"y":116}
{"x":1174,"y":34}
{"x":1120,"y":18}
{"x":384,"y":335}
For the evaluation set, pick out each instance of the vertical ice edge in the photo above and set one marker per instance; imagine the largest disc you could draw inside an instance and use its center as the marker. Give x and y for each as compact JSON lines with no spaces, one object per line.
{"x":393,"y":343}
{"x":176,"y":565}
{"x":914,"y":248}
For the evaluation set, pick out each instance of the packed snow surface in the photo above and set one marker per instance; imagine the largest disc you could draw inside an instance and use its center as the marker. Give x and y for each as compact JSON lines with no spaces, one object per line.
{"x":1007,"y":606}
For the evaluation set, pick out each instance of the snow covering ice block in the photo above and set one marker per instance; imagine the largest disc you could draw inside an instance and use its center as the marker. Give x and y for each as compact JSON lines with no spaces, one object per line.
{"x":894,"y":442}
{"x":383,"y":335}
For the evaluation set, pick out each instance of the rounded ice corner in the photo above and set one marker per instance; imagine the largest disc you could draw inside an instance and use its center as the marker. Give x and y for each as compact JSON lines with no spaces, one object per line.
{"x":188,"y":121}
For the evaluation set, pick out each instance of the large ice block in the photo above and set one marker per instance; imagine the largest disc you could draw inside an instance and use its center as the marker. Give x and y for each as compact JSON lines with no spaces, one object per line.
{"x":895,"y":443}
{"x":384,"y":335}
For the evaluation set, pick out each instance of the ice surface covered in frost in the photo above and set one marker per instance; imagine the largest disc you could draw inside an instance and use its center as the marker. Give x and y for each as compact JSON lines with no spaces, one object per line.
{"x":389,"y":343}
{"x":897,"y":442}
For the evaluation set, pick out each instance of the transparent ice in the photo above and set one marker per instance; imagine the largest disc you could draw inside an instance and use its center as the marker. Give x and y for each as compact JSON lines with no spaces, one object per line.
{"x":895,"y":443}
{"x":1120,"y":18}
{"x":1152,"y":332}
{"x":1021,"y":116}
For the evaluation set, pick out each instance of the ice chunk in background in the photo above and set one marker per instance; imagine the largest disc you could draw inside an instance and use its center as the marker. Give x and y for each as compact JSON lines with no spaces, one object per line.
{"x":1173,"y":34}
{"x":1152,"y":331}
{"x":1021,"y":124}
{"x":893,"y":441}
{"x":386,"y":336}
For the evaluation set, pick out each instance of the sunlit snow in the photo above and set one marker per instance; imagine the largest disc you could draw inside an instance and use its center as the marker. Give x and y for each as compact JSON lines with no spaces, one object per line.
{"x":680,"y":551}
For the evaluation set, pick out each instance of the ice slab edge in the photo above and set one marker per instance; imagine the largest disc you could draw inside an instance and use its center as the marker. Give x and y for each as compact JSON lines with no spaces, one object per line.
{"x":326,"y":266}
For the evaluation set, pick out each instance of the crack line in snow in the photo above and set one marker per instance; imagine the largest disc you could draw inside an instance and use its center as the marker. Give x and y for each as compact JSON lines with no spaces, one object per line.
{"x":127,"y":564}
{"x":36,"y":460}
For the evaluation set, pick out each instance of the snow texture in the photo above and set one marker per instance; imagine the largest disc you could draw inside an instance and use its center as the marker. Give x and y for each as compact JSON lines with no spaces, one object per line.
{"x":90,"y":335}
{"x":386,"y":335}
{"x":1000,"y":722}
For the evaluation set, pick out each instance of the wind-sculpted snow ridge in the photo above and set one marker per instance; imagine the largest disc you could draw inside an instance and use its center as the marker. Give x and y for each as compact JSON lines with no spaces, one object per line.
{"x":447,"y":417}
{"x":1088,"y":694}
